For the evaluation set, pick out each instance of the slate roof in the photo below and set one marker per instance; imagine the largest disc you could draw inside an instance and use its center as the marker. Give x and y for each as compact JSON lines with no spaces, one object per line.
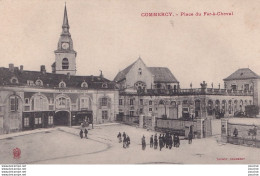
{"x":242,"y":73}
{"x":161,"y":74}
{"x":52,"y":80}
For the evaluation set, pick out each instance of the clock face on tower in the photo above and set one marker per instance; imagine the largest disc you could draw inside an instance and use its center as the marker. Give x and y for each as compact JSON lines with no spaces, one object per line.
{"x":65,"y":45}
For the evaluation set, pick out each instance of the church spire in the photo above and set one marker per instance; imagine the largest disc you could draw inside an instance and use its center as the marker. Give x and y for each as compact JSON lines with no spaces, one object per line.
{"x":65,"y":25}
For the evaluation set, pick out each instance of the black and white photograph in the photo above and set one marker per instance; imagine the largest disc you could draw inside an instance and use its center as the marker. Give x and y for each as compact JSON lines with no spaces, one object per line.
{"x":129,"y":82}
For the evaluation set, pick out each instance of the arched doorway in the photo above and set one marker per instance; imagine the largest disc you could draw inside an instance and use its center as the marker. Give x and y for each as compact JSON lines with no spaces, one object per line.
{"x":61,"y":118}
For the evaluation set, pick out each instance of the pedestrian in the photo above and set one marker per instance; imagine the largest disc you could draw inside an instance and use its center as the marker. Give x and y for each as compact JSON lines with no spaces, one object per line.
{"x":175,"y":140}
{"x":178,"y":141}
{"x":143,"y":143}
{"x":163,"y":140}
{"x":170,"y":141}
{"x":127,"y":141}
{"x":235,"y":133}
{"x":151,"y":141}
{"x":160,"y":142}
{"x":86,"y":133}
{"x":119,"y":137}
{"x":124,"y":135}
{"x":155,"y":141}
{"x":190,"y":137}
{"x":167,"y":140}
{"x":81,"y":133}
{"x":124,"y":141}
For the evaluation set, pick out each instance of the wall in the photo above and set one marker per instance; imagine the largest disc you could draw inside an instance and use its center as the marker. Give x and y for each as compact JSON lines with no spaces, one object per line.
{"x":132,"y":77}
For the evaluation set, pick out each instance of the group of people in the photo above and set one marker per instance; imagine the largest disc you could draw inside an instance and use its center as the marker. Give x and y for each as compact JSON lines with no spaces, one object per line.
{"x":85,"y":132}
{"x":126,"y":139}
{"x":83,"y":129}
{"x":165,"y":140}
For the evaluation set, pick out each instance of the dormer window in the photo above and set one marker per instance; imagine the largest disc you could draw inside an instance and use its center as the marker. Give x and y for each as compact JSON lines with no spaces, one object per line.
{"x":139,"y":71}
{"x":14,"y":80}
{"x":65,"y":63}
{"x":104,"y":85}
{"x":84,"y":85}
{"x":38,"y":82}
{"x":62,"y":84}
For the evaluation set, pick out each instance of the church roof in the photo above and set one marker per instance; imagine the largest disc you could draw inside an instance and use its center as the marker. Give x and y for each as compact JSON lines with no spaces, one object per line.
{"x":161,"y":74}
{"x":242,"y":73}
{"x":52,"y":80}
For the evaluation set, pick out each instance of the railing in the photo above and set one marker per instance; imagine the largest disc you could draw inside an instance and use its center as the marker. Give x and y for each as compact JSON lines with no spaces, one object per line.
{"x":243,"y":141}
{"x":195,"y":91}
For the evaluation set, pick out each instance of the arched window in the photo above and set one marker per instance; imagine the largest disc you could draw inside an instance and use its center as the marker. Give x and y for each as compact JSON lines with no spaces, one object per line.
{"x":39,"y":103}
{"x":14,"y":80}
{"x":140,"y":85}
{"x":84,"y":85}
{"x":62,"y":84}
{"x":65,"y":63}
{"x":139,"y":71}
{"x":38,"y":82}
{"x":104,"y":85}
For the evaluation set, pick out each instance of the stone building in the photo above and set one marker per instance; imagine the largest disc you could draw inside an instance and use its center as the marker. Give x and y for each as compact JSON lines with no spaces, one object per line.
{"x":37,"y":99}
{"x":154,"y":91}
{"x":244,"y":80}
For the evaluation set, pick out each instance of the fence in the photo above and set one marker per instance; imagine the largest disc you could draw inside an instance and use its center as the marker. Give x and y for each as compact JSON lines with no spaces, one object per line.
{"x":246,"y":133}
{"x":182,"y":127}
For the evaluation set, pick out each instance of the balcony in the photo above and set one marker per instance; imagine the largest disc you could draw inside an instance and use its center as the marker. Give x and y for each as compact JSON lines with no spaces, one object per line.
{"x":195,"y":91}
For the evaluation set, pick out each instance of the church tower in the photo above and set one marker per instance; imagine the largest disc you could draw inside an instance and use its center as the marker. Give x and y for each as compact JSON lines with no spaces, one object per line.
{"x":65,"y":56}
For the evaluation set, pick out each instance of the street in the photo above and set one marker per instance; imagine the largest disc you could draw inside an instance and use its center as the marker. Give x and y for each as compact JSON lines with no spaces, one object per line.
{"x":62,"y":145}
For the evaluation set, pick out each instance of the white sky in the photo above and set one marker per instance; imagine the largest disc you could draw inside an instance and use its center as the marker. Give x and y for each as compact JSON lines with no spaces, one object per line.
{"x":111,"y":34}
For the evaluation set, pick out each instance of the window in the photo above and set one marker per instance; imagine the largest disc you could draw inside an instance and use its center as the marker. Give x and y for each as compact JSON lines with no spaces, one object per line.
{"x":150,"y":102}
{"x":246,"y":88}
{"x":84,"y":103}
{"x":141,"y":110}
{"x":26,"y":122}
{"x":131,"y":102}
{"x":51,"y":101}
{"x":62,"y":103}
{"x":30,"y":83}
{"x":141,"y":102}
{"x":104,"y":115}
{"x":50,"y":120}
{"x":38,"y":82}
{"x":104,"y":102}
{"x":150,"y":109}
{"x":139,"y":71}
{"x":39,"y":103}
{"x":65,"y":63}
{"x":14,"y":80}
{"x":234,"y":87}
{"x":27,"y":101}
{"x":104,"y":85}
{"x":62,"y":84}
{"x":13,"y":103}
{"x":120,"y":102}
{"x":38,"y":120}
{"x":84,"y":85}
{"x":131,"y":113}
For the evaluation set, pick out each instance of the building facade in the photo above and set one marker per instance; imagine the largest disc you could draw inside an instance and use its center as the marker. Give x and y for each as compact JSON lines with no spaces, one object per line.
{"x":37,"y":99}
{"x":165,"y":99}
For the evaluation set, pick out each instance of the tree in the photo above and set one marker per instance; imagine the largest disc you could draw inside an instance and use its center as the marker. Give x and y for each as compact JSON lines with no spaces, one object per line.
{"x":252,"y":110}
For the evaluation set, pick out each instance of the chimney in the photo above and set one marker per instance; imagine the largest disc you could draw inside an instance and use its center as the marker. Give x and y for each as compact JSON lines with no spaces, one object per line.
{"x":43,"y":70}
{"x":11,"y":67}
{"x":68,"y":75}
{"x":21,"y":68}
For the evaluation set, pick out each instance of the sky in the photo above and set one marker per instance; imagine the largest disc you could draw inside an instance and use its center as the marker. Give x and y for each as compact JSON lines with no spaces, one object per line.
{"x":109,"y":35}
